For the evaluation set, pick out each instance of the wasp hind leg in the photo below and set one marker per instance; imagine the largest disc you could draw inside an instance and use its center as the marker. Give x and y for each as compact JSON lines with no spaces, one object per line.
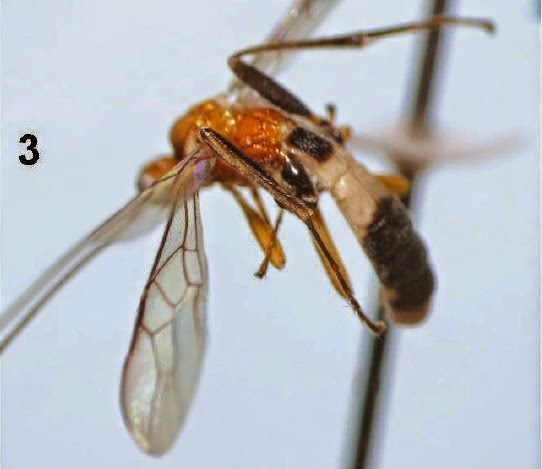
{"x":281,"y":97}
{"x":336,"y":269}
{"x":254,"y":173}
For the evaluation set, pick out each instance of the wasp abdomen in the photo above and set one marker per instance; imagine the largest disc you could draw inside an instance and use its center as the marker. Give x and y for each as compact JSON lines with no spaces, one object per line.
{"x":400,"y":261}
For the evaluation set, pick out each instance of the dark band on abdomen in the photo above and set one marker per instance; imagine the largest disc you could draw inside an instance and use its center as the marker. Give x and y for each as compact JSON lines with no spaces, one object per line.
{"x":399,"y":258}
{"x":310,"y":143}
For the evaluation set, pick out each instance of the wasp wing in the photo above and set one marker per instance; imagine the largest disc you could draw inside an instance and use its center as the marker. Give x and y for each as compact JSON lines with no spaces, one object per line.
{"x":298,"y":22}
{"x":163,"y":365}
{"x":138,"y":216}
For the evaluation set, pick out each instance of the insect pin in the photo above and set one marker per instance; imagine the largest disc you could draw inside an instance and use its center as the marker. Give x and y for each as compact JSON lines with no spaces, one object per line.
{"x":257,"y":135}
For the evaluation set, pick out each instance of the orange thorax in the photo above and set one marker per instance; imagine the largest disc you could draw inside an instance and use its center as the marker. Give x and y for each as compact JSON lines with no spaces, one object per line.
{"x":258,"y":131}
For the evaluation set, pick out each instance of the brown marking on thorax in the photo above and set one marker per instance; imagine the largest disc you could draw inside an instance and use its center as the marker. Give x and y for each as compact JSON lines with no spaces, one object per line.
{"x":258,"y":131}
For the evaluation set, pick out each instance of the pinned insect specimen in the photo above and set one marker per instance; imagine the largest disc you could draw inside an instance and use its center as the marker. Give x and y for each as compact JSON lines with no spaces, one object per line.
{"x":257,"y":135}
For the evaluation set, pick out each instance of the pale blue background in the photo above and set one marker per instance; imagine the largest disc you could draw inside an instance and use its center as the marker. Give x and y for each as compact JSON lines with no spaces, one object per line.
{"x":100,"y":83}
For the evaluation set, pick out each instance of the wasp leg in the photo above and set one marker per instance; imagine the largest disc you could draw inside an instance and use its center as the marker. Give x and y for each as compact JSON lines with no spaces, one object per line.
{"x":262,"y":270}
{"x":281,"y":97}
{"x":362,"y":38}
{"x":253,"y":172}
{"x":396,"y":184}
{"x":333,"y":251}
{"x":259,"y":203}
{"x":268,"y":88}
{"x":261,"y":228}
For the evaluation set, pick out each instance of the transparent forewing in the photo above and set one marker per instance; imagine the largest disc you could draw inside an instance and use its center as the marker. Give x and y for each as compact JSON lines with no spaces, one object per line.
{"x":298,"y":22}
{"x":138,"y":216}
{"x":163,"y":365}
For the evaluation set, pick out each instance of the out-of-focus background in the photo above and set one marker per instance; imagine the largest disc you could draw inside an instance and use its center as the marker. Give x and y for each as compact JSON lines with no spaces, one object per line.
{"x":100,"y":83}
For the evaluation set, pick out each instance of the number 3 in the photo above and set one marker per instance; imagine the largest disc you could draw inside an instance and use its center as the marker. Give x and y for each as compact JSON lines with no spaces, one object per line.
{"x":32,"y":147}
